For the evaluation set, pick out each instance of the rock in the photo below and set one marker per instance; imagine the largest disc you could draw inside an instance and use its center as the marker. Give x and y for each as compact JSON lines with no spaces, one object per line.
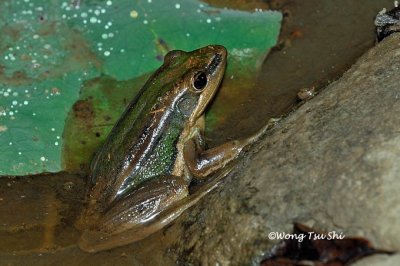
{"x":333,"y":165}
{"x":379,"y":260}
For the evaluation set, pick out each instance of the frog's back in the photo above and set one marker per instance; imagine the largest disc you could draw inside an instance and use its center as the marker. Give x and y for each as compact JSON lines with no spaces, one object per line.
{"x":137,"y":147}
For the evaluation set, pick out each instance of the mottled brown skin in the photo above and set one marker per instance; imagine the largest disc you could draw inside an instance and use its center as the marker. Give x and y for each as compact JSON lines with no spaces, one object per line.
{"x":141,"y":176}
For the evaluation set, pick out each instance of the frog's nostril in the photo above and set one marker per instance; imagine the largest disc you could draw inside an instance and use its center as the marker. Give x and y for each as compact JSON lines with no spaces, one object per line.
{"x":217,"y":59}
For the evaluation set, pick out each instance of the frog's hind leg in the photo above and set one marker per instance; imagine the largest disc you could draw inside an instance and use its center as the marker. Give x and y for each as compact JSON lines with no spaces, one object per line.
{"x":136,"y":215}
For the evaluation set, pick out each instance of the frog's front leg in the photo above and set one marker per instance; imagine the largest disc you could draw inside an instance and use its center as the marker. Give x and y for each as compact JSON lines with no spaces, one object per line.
{"x":202,"y":163}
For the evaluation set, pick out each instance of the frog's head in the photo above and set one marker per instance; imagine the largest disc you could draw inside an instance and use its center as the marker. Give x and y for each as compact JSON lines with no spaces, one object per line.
{"x":196,"y":77}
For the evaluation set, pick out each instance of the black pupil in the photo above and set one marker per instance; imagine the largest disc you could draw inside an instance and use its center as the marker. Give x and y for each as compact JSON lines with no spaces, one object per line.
{"x":200,"y":80}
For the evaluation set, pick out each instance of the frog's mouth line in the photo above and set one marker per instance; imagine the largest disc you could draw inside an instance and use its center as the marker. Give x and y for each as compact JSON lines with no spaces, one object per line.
{"x":217,"y":59}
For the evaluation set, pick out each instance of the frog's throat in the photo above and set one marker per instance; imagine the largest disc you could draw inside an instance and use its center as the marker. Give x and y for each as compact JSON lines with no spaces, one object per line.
{"x":204,"y":101}
{"x":201,"y":122}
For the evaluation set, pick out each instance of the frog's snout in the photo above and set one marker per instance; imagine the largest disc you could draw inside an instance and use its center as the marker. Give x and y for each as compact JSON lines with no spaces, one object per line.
{"x":215,"y":62}
{"x":218,"y":58}
{"x":219,"y":49}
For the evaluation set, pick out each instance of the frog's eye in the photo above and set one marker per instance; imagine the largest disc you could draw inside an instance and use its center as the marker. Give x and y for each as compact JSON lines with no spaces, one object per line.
{"x":199,"y":80}
{"x":172,"y":55}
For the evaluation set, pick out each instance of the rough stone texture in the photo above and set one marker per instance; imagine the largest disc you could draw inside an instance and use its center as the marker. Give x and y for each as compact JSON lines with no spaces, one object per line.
{"x":379,"y":260}
{"x":333,"y":164}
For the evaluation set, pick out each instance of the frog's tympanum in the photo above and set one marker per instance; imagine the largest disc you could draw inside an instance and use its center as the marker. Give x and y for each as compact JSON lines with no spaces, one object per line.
{"x":142,"y":176}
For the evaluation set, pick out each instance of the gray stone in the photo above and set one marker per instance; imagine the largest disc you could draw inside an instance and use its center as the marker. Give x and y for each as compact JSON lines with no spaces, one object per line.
{"x":379,"y":260}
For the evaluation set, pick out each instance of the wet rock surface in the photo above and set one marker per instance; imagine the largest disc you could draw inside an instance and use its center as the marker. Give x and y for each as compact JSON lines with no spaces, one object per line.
{"x":333,"y":165}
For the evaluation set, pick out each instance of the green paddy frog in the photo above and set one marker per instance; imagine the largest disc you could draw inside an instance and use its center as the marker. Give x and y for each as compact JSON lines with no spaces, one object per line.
{"x":142,"y":176}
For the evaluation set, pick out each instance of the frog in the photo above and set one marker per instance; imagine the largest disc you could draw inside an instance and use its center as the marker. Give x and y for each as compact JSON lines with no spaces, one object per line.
{"x":154,"y":164}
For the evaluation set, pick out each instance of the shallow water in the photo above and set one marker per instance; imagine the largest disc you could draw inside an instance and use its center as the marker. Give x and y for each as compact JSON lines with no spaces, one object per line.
{"x":319,"y":41}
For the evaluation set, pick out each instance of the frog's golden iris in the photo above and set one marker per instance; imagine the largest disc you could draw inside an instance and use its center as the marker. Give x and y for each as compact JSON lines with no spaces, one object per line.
{"x":140,"y":177}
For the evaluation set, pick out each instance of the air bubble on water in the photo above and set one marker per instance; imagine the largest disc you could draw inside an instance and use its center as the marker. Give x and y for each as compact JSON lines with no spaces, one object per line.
{"x":134,"y":14}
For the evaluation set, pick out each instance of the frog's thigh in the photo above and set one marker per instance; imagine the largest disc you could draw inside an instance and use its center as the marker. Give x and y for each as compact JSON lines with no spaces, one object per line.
{"x":146,"y":201}
{"x":201,"y":162}
{"x":137,"y":215}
